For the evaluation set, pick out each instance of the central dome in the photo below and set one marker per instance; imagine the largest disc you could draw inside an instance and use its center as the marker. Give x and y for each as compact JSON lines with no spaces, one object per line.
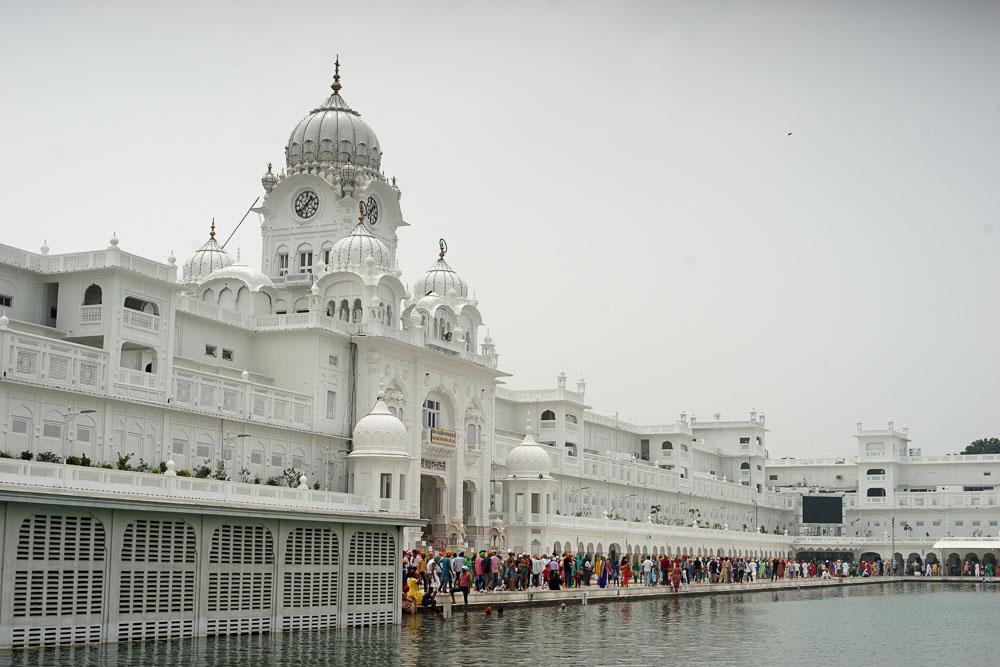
{"x":333,"y":134}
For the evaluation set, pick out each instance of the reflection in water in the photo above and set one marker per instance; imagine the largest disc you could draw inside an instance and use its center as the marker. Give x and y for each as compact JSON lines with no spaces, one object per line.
{"x":689,"y":630}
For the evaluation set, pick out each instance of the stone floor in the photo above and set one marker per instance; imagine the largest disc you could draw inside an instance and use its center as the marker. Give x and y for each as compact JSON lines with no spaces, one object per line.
{"x":595,"y":593}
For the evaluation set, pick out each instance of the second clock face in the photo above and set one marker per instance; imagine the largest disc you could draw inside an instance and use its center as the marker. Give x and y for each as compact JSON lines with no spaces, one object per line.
{"x":306,"y":204}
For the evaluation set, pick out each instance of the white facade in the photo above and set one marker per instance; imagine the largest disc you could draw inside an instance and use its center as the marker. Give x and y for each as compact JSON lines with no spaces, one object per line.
{"x":268,"y":372}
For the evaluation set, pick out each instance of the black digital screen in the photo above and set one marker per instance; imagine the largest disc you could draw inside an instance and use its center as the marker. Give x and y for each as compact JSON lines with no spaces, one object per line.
{"x":817,"y":509}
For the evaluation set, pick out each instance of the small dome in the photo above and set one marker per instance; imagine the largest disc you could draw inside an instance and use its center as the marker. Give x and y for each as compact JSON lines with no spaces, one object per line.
{"x":440,"y":279}
{"x":333,"y":134}
{"x":253,"y":278}
{"x":206,"y":259}
{"x":379,"y":432}
{"x":528,"y":460}
{"x":429,"y":303}
{"x":353,"y":249}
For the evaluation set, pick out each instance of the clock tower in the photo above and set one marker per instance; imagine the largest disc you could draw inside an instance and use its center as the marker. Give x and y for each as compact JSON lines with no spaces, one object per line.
{"x":332,"y":170}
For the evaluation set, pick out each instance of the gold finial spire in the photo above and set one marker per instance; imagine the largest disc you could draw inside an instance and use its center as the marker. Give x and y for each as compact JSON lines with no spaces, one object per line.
{"x":444,"y":248}
{"x":212,"y":233}
{"x":336,"y":75}
{"x":269,"y":167}
{"x":361,"y":209}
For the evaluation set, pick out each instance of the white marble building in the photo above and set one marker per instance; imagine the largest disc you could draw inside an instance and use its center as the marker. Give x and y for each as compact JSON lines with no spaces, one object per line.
{"x":265,"y":371}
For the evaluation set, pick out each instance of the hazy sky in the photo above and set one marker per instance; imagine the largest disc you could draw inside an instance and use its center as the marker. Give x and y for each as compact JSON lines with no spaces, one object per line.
{"x":616,"y":181}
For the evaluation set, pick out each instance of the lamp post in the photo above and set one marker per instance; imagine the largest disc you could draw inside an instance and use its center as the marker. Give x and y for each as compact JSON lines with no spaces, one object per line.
{"x":235,"y":439}
{"x":69,"y":416}
{"x":893,"y":559}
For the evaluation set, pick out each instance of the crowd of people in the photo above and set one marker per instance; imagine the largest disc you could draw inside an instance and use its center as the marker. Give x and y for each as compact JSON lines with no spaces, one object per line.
{"x":427,"y":575}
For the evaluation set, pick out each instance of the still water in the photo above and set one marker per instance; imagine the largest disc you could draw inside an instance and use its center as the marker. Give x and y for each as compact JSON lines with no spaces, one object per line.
{"x":911,"y":623}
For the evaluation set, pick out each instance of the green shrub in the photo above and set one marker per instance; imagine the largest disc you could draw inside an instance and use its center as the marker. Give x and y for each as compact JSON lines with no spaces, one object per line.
{"x":49,"y":457}
{"x":26,"y":455}
{"x":183,"y":473}
{"x":202,"y":472}
{"x":6,"y":454}
{"x":73,"y":461}
{"x":123,"y":461}
{"x":107,"y":466}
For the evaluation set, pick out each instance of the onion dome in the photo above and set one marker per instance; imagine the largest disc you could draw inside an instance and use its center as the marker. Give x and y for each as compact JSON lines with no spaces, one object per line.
{"x":379,"y":432}
{"x":353,"y":249}
{"x":440,"y":278}
{"x":268,"y":180}
{"x":331,"y":134}
{"x":528,"y":460}
{"x":251,"y":277}
{"x":206,"y":259}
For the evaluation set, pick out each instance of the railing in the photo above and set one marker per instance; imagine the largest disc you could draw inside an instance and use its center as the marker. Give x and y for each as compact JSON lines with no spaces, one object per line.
{"x":39,"y":360}
{"x":90,"y":314}
{"x":876,"y":500}
{"x":875,"y":478}
{"x":97,"y":259}
{"x":140,"y":320}
{"x":546,"y":425}
{"x":211,"y":311}
{"x":139,"y":386}
{"x":614,"y":528}
{"x":99,"y":481}
{"x":242,"y":399}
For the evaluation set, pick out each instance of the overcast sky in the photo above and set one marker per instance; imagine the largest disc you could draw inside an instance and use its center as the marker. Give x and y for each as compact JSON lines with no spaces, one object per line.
{"x":698,"y":206}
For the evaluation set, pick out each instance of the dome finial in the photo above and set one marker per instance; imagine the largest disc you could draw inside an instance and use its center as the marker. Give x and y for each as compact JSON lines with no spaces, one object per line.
{"x":336,"y":75}
{"x":361,"y":212}
{"x":444,"y":248}
{"x":212,"y":233}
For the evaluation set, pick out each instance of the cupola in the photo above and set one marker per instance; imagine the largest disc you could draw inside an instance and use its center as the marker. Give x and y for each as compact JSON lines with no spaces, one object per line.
{"x":208,"y":258}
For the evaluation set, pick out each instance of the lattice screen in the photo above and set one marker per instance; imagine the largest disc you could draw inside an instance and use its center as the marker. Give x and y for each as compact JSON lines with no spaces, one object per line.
{"x":371,"y":579}
{"x":58,"y":580}
{"x":239,"y":599}
{"x":157,"y":582}
{"x":310,"y":579}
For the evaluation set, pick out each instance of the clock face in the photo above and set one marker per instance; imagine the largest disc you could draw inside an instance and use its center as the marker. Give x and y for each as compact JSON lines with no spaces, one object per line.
{"x":371,"y":211}
{"x":306,"y":204}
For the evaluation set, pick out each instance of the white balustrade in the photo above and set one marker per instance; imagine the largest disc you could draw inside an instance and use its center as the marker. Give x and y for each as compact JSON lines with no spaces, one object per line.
{"x":90,"y":314}
{"x":99,"y":481}
{"x":140,"y":320}
{"x":40,"y":360}
{"x":81,"y":261}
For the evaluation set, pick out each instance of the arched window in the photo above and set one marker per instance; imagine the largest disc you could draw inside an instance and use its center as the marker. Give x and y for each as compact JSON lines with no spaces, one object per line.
{"x":345,"y":311}
{"x":281,"y":261}
{"x":305,"y":263}
{"x":208,"y":296}
{"x":388,"y":316}
{"x":744,"y":466}
{"x":331,"y":309}
{"x":875,"y":471}
{"x":93,"y":296}
{"x":470,"y":435}
{"x":548,"y":416}
{"x":356,"y":312}
{"x":226,"y":299}
{"x":876,"y":492}
{"x":134,"y":303}
{"x":667,"y":445}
